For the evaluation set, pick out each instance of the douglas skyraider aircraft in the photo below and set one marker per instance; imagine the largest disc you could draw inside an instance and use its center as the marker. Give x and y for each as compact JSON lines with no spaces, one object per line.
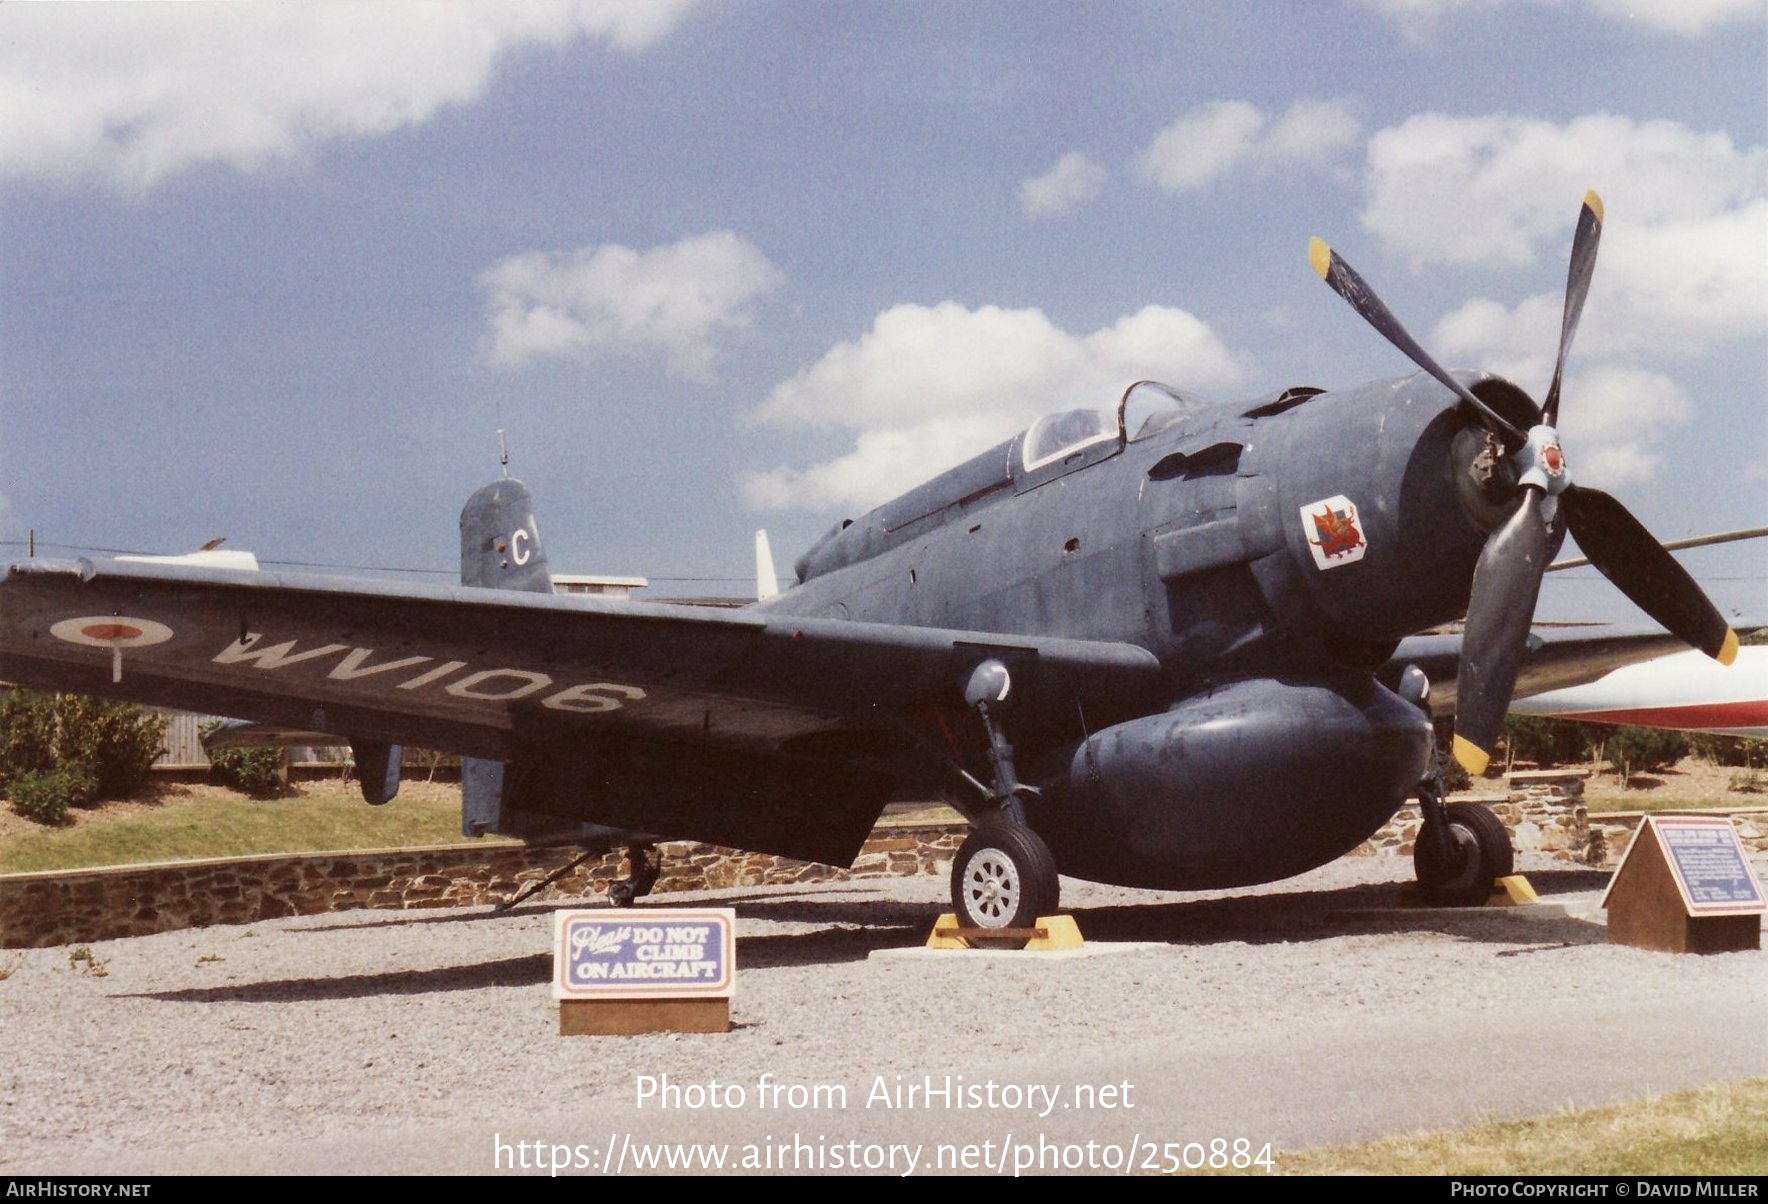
{"x":1171,"y":644}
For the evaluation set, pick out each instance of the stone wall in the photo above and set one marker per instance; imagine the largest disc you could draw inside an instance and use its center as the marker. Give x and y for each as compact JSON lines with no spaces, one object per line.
{"x":62,"y":908}
{"x":1544,"y":811}
{"x":1614,"y":832}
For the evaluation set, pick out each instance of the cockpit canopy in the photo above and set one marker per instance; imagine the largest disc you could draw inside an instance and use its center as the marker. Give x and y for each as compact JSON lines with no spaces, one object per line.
{"x":1145,"y":408}
{"x":1052,"y":447}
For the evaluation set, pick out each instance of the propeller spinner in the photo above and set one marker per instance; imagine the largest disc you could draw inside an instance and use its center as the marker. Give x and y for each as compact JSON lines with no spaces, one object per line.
{"x":1507,"y":578}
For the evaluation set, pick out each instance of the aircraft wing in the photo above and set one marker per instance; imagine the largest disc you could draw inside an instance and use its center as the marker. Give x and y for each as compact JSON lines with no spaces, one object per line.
{"x":1556,"y":658}
{"x":1685,"y":691}
{"x":710,"y":694}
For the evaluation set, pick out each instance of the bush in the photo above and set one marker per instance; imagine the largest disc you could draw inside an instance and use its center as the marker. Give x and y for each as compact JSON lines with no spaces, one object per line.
{"x":1549,"y":742}
{"x":117,"y":742}
{"x":1742,"y":751}
{"x":121,"y":742}
{"x":46,"y":794}
{"x":27,"y":733}
{"x":257,"y":771}
{"x":1634,"y":750}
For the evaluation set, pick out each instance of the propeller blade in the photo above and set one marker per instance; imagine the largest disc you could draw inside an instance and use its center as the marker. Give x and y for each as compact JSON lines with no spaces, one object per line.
{"x":1506,"y":582}
{"x":1625,"y":552}
{"x":1577,"y":287}
{"x":1353,"y":288}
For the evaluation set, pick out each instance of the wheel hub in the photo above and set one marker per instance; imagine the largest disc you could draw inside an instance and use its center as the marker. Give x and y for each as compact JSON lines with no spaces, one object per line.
{"x":992,"y":888}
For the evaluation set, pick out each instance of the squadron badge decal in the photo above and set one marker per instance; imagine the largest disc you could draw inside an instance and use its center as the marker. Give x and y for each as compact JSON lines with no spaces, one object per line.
{"x":1333,"y":531}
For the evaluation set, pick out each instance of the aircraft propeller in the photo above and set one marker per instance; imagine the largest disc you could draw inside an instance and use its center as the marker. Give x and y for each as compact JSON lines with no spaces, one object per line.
{"x":1507,"y":577}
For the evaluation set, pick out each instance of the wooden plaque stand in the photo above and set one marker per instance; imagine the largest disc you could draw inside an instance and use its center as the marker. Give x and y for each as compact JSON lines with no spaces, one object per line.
{"x":1651,"y":906}
{"x":629,"y":1017}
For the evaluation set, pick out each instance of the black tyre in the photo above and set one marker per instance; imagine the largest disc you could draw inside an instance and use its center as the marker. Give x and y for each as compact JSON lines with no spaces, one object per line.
{"x":1479,"y":854}
{"x":1003,"y":877}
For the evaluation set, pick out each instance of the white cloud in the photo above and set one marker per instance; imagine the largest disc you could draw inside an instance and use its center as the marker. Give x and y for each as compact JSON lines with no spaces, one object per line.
{"x":615,"y":300}
{"x":1690,"y":18}
{"x":1202,"y":146}
{"x":1498,"y":189}
{"x":1071,"y":183}
{"x":927,"y":387}
{"x":1312,"y":132}
{"x":1686,"y":285}
{"x":1225,"y":136}
{"x":129,"y":94}
{"x":1683,"y":267}
{"x":1612,"y":418}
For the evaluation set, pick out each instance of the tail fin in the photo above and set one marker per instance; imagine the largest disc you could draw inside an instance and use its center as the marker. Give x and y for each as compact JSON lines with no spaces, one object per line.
{"x":499,"y":542}
{"x":500,"y":549}
{"x":767,"y":582}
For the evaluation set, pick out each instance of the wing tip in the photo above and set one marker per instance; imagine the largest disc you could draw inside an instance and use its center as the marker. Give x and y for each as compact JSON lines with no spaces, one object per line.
{"x":1471,"y":756}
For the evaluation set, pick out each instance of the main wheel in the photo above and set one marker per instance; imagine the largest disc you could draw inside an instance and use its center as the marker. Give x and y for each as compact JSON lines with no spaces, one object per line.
{"x":1479,"y":854}
{"x":1004,"y":877}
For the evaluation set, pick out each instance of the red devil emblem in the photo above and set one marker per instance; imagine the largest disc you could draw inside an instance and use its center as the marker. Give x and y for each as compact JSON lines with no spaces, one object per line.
{"x":1336,"y":531}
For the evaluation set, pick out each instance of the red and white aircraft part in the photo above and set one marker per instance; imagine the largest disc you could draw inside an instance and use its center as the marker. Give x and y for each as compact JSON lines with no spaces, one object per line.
{"x":1686,"y":691}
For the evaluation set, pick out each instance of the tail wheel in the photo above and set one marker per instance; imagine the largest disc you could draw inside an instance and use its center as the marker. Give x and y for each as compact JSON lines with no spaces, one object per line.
{"x":1004,"y":877}
{"x":1479,"y":854}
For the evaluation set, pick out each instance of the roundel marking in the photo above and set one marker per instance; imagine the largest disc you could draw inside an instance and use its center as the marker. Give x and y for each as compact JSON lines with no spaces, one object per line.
{"x":111,"y":631}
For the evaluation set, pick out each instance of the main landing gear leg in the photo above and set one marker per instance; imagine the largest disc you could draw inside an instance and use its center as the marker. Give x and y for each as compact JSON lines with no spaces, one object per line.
{"x":644,"y":865}
{"x":1004,"y":875}
{"x":1462,"y":848}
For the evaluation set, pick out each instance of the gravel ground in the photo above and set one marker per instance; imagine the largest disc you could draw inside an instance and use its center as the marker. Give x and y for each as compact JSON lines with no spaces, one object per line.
{"x":1312,"y":1012}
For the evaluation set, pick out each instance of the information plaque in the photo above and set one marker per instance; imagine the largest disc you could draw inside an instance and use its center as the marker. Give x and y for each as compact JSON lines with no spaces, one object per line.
{"x":1686,"y":885}
{"x":1711,"y":867}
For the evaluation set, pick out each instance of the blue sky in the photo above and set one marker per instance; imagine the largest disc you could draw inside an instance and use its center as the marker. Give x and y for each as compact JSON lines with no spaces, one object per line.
{"x":278,"y":272}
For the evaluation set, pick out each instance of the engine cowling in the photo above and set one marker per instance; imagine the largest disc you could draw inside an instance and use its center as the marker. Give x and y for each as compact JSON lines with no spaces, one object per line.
{"x":1250,"y":782}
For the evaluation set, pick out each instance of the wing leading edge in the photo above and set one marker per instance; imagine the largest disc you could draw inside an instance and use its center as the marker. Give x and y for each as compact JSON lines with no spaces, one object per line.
{"x":1555,"y":658}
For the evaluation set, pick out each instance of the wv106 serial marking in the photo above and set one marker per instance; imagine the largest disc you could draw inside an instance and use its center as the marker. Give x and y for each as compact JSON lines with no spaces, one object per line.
{"x":1171,"y":644}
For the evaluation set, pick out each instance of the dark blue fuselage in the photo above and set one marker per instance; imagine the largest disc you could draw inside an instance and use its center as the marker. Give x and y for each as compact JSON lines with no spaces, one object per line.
{"x":1269,"y":554}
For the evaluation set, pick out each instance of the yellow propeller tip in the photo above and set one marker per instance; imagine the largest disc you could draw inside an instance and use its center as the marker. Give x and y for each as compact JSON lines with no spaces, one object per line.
{"x":1728,"y":650}
{"x":1320,"y":255}
{"x":1593,"y":203}
{"x":1471,"y":756}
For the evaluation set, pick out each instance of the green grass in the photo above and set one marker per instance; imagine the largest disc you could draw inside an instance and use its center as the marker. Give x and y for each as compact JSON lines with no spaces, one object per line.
{"x":1644,"y":800}
{"x":1718,"y":1130}
{"x":234,"y":827}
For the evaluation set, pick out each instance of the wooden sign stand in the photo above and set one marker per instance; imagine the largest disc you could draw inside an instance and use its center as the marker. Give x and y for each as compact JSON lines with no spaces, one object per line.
{"x":1685,"y":885}
{"x":645,"y":970}
{"x":630,"y":1017}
